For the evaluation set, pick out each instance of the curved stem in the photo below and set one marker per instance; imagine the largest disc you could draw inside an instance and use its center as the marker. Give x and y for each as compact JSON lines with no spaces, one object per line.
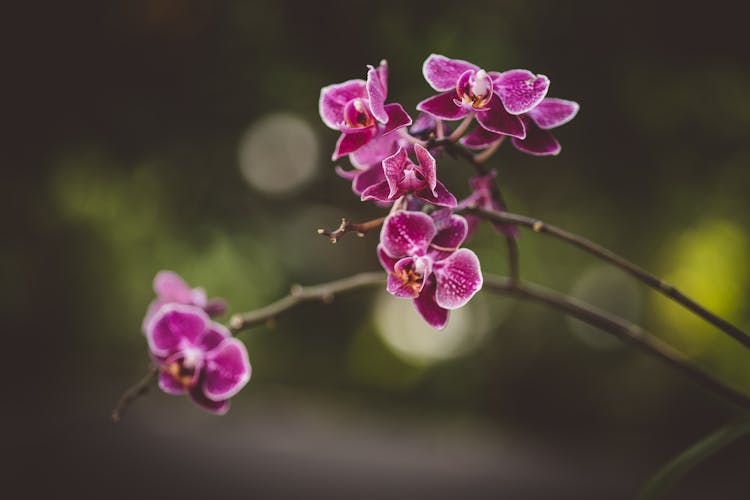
{"x":678,"y":467}
{"x":456,"y":134}
{"x":134,"y":392}
{"x":607,"y":255}
{"x":324,"y":292}
{"x":623,"y":329}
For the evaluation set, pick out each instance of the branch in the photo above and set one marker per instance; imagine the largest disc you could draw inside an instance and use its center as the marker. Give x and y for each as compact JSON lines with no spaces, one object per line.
{"x":622,"y":329}
{"x":324,"y":292}
{"x":678,"y":467}
{"x":347,"y":226}
{"x":607,"y":255}
{"x":133,"y":393}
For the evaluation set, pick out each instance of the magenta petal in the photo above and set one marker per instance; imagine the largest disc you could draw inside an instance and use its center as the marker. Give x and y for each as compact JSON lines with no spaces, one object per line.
{"x":216,"y":407}
{"x":480,"y":138}
{"x":442,"y":73}
{"x":426,"y":166}
{"x":378,"y":192}
{"x":458,"y":278}
{"x":213,"y":336}
{"x":170,"y":287}
{"x":443,"y":106}
{"x":520,"y":90}
{"x":368,"y":177}
{"x":377,"y":91}
{"x":394,"y":167}
{"x":553,"y":112}
{"x":401,"y":281}
{"x":451,"y":230}
{"x":227,"y":370}
{"x":441,"y":198}
{"x":386,"y":260}
{"x":496,"y":119}
{"x":348,"y":143}
{"x":538,"y":142}
{"x":407,"y":233}
{"x":174,"y":326}
{"x":333,"y":98}
{"x":433,"y":314}
{"x":396,"y":118}
{"x":374,"y":151}
{"x":153,"y":308}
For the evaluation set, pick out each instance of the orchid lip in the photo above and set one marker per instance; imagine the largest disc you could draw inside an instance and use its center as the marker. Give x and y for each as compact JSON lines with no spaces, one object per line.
{"x":357,"y":115}
{"x":474,"y":89}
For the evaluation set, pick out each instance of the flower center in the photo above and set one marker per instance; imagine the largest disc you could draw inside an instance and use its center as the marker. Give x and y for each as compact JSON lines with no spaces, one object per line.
{"x":412,"y":275}
{"x":184,"y":367}
{"x":474,"y":88}
{"x":357,"y":114}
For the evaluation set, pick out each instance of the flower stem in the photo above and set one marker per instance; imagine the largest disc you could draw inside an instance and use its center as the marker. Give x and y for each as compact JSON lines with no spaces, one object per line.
{"x":607,"y":255}
{"x":134,"y":392}
{"x":346,"y":226}
{"x":622,"y":329}
{"x":456,"y":134}
{"x":678,"y":467}
{"x":324,"y":292}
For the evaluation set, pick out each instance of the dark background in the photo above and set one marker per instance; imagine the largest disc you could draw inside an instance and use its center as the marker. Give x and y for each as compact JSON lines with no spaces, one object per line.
{"x":123,"y":125}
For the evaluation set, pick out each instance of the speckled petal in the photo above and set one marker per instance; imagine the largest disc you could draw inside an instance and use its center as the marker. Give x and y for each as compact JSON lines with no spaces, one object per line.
{"x":451,"y":231}
{"x":480,"y":138}
{"x":433,"y":314}
{"x":443,"y":106}
{"x":374,"y":150}
{"x":442,"y":73}
{"x":227,"y":370}
{"x":458,"y":278}
{"x":333,"y":98}
{"x":394,"y":167}
{"x":349,"y":143}
{"x":175,"y":326}
{"x":496,"y":119}
{"x":426,"y":167}
{"x":397,"y":118}
{"x":553,"y":112}
{"x":520,"y":90}
{"x":538,"y":142}
{"x":407,"y":233}
{"x":378,"y":192}
{"x":441,"y":198}
{"x":377,"y":91}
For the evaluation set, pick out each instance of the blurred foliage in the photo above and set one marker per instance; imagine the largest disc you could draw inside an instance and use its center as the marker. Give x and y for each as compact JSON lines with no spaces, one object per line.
{"x":127,"y":163}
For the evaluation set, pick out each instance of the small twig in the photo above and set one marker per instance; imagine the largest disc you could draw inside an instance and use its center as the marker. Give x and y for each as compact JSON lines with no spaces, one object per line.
{"x":456,"y":134}
{"x":347,"y":226}
{"x":487,"y":153}
{"x":624,"y":330}
{"x":133,"y":393}
{"x":324,"y":292}
{"x":618,"y":261}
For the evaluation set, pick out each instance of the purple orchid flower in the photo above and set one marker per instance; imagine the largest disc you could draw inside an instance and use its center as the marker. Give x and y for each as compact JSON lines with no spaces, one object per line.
{"x":170,"y":288}
{"x":357,"y":108}
{"x":496,"y":98}
{"x":484,"y":195}
{"x":404,"y":177}
{"x":197,"y":356}
{"x":424,"y":262}
{"x":548,"y":114}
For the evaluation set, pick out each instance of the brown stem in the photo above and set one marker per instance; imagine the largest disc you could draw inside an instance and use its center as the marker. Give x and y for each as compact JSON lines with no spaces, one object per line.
{"x":134,"y":392}
{"x":624,"y":330}
{"x":324,"y":292}
{"x":618,"y":261}
{"x":347,"y":226}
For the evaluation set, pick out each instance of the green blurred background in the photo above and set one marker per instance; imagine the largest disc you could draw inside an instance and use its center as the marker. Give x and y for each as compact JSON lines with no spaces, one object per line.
{"x":184,"y":135}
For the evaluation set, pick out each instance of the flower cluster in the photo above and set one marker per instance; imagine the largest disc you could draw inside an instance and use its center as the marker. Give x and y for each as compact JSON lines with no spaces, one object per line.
{"x":195,"y":356}
{"x":395,"y":166}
